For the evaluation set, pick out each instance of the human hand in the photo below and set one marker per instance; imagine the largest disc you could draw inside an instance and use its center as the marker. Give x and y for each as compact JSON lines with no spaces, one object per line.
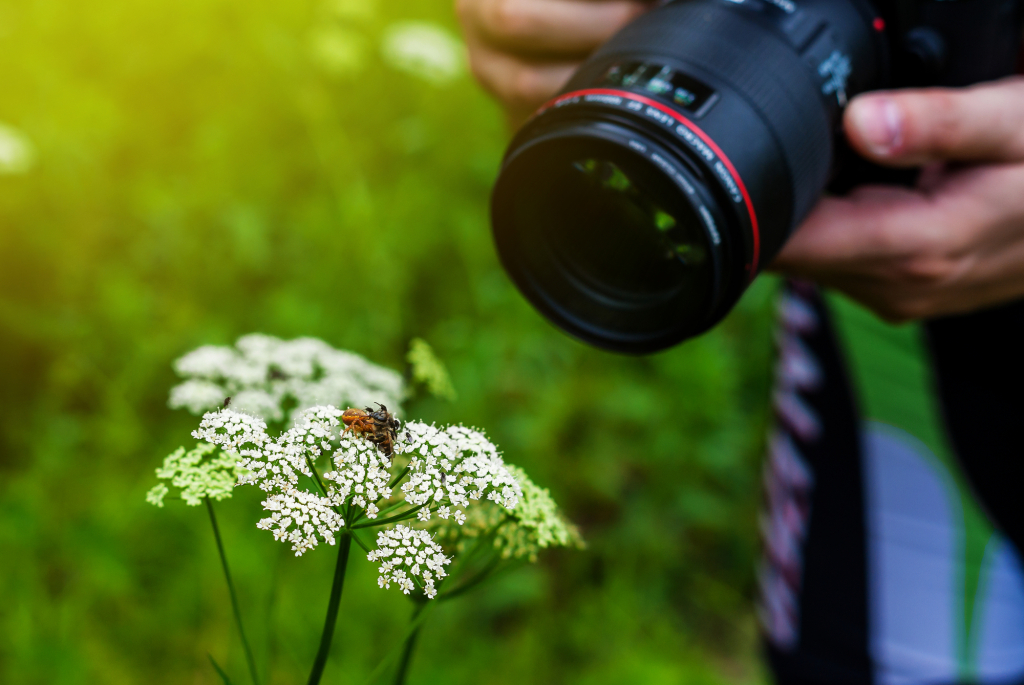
{"x":524,"y":51}
{"x":953,"y":244}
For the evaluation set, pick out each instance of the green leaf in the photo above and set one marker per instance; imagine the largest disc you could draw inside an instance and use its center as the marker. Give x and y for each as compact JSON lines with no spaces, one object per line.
{"x":429,"y":370}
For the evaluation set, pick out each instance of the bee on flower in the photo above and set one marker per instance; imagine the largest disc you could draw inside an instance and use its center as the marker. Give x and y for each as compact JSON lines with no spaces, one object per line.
{"x":379,"y":427}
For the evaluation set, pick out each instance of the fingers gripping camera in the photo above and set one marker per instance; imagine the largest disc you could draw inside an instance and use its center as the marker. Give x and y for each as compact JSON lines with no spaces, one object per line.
{"x":635,"y":208}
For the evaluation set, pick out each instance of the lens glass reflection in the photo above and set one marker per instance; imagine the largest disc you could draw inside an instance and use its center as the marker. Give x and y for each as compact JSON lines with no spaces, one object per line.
{"x":611,"y":240}
{"x":672,"y":240}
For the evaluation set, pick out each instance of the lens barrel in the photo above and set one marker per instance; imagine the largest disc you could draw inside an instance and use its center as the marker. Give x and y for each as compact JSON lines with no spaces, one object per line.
{"x":634,"y":209}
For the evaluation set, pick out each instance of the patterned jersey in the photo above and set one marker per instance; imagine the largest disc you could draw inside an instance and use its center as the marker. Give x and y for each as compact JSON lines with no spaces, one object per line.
{"x":894,"y":497}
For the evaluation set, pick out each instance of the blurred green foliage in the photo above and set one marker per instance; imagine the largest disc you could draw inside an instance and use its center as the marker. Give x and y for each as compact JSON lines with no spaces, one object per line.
{"x":208,"y":168}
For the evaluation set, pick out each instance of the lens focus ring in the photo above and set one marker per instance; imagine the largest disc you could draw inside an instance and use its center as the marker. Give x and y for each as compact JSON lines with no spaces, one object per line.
{"x":760,"y":66}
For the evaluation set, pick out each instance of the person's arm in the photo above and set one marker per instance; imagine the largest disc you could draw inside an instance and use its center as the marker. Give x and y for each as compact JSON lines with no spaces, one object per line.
{"x":953,"y":244}
{"x":523,"y":51}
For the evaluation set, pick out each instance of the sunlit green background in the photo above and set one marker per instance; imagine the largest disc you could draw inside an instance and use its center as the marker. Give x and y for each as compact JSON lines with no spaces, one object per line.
{"x":201,"y":169}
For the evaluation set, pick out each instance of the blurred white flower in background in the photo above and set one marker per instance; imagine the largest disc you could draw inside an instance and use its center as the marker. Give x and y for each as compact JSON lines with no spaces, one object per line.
{"x":338,"y":51}
{"x":277,"y":379}
{"x":425,"y":50}
{"x":17,"y":154}
{"x":196,"y":396}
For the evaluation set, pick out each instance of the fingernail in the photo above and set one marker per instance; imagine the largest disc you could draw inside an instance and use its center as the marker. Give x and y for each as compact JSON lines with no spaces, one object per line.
{"x":879,"y":122}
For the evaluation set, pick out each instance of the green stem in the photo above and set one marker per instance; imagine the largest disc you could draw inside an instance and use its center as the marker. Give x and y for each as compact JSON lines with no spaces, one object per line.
{"x":396,"y":505}
{"x":481,"y":576}
{"x":400,"y":476}
{"x":231,"y":591}
{"x":482,"y":543}
{"x":414,"y":625}
{"x":410,"y":645}
{"x":360,"y":542}
{"x":404,"y":516}
{"x":332,"y":610}
{"x":316,"y":476}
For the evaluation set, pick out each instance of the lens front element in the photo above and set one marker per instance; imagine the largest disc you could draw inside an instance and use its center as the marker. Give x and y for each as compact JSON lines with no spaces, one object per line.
{"x":603,"y":240}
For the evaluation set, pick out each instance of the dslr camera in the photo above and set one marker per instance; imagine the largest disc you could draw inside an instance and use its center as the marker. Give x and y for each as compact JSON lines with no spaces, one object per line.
{"x":635,"y":208}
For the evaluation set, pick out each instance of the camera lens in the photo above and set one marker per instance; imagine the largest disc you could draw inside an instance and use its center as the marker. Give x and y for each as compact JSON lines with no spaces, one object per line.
{"x":609,"y":243}
{"x":634,"y":209}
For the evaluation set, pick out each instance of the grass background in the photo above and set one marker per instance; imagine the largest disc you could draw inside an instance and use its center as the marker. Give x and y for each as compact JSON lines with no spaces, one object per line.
{"x":203,"y":172}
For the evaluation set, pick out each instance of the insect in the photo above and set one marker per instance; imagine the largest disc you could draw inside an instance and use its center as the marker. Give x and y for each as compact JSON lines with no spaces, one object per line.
{"x":227,"y":401}
{"x":378,"y":426}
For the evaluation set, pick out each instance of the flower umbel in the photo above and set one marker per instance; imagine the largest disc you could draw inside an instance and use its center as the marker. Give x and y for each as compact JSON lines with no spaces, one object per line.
{"x":361,"y":472}
{"x":535,"y":524}
{"x":297,"y":516}
{"x":425,"y":488}
{"x":233,"y":431}
{"x":453,"y":476}
{"x":409,"y":558}
{"x":453,"y":466}
{"x":275,"y":464}
{"x":300,"y":517}
{"x":156,"y":494}
{"x":204,"y":471}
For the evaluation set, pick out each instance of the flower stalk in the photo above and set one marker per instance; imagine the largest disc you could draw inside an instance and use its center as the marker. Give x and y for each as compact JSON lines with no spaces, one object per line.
{"x":467,"y":585}
{"x":409,"y":646}
{"x":344,"y":543}
{"x":231,"y":591}
{"x":403,"y":516}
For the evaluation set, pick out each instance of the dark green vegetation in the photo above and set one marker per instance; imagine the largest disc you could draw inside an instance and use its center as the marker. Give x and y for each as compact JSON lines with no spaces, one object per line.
{"x":200,"y":177}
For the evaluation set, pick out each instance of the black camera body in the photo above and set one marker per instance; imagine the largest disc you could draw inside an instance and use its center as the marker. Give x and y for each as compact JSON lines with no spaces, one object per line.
{"x":635,"y":208}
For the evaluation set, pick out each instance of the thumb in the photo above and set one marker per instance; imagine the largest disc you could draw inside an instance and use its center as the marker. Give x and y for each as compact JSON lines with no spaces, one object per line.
{"x":983,"y":123}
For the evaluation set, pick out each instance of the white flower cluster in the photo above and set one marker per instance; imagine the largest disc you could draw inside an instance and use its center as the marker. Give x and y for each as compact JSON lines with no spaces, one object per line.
{"x":262,"y":374}
{"x":453,"y":466}
{"x":406,"y":554}
{"x":361,"y":471}
{"x":449,"y":468}
{"x":275,"y":464}
{"x":297,"y":516}
{"x":535,"y":524}
{"x":233,"y":431}
{"x":201,"y":472}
